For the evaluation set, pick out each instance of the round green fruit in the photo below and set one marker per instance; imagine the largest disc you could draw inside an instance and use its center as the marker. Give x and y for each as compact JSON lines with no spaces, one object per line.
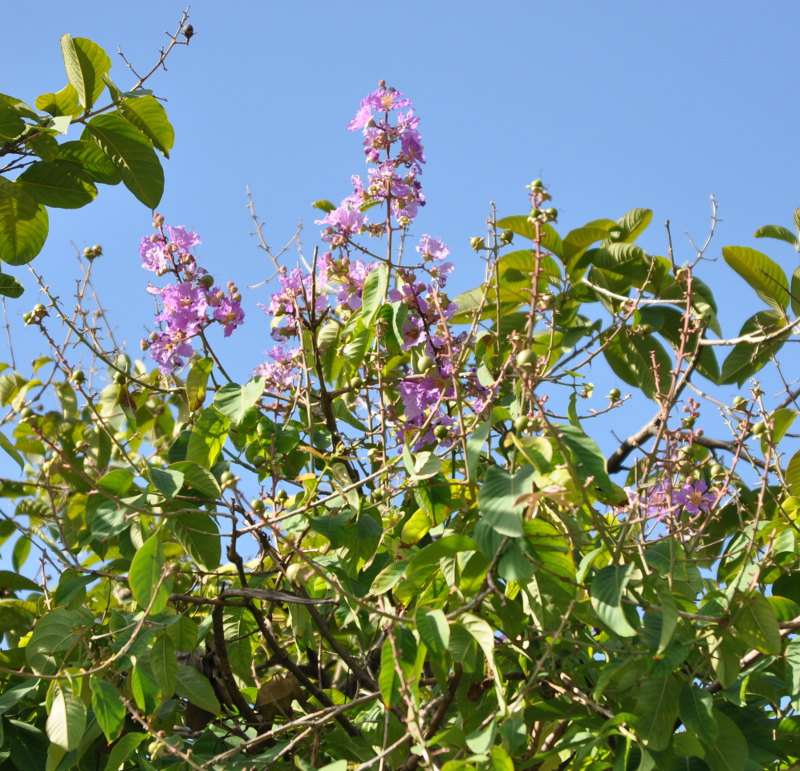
{"x":525,"y":358}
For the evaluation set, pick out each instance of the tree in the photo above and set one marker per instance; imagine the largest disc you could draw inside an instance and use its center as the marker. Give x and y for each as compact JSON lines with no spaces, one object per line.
{"x":440,"y":568}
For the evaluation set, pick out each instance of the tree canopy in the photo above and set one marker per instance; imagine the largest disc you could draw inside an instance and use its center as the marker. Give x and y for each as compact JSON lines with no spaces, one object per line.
{"x":403,"y":542}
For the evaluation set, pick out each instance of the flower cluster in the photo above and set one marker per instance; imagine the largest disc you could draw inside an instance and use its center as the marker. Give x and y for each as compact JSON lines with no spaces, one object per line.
{"x":393,"y":143}
{"x":191,"y":304}
{"x":664,"y":499}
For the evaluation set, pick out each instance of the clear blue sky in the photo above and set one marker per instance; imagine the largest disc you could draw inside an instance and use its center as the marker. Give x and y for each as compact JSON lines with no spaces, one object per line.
{"x":615,"y":105}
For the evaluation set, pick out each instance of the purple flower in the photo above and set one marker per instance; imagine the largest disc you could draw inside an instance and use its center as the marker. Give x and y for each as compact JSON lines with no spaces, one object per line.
{"x":432,"y":248}
{"x":183,"y":238}
{"x":184,"y":307}
{"x":380,"y":100}
{"x":280,"y":374}
{"x":419,"y":396}
{"x":154,"y":255}
{"x":344,"y":222}
{"x":229,"y":312}
{"x":169,"y":351}
{"x":695,"y":497}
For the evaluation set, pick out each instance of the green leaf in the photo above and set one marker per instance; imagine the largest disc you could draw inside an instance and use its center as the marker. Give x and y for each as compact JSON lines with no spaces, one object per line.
{"x":168,"y":481}
{"x":23,"y":224}
{"x":776,"y":231}
{"x":374,"y":294}
{"x":579,"y":239}
{"x":191,"y":685}
{"x":147,"y":115}
{"x":794,"y":295}
{"x":131,"y":153}
{"x":44,"y":145}
{"x":54,"y":633}
{"x":730,"y":751}
{"x":56,"y":184}
{"x":631,"y":358}
{"x":498,"y":499}
{"x":10,"y":287}
{"x":89,"y":162}
{"x":105,"y":517}
{"x":415,"y":528}
{"x":86,"y":63}
{"x":20,"y":552}
{"x":758,"y":270}
{"x":236,"y":401}
{"x":144,"y":686}
{"x":756,"y":624}
{"x":588,"y":460}
{"x":696,"y":708}
{"x":434,"y":631}
{"x":208,"y":437}
{"x":484,"y":636}
{"x":163,"y":663}
{"x":197,"y":381}
{"x":63,"y":102}
{"x":387,"y":677}
{"x":793,"y":671}
{"x":669,"y":617}
{"x":107,"y":707}
{"x":606,"y":592}
{"x":11,"y":124}
{"x":199,"y":535}
{"x":323,"y":205}
{"x":14,"y":582}
{"x":10,"y":450}
{"x":14,"y":695}
{"x":145,"y":575}
{"x":522,"y":226}
{"x":239,"y":627}
{"x":475,"y":442}
{"x":198,"y":478}
{"x":122,"y":750}
{"x":66,"y":722}
{"x":656,"y":709}
{"x":633,"y":224}
{"x":747,"y":358}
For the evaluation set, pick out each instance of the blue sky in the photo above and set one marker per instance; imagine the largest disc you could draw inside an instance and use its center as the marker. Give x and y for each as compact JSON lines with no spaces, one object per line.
{"x":615,"y":105}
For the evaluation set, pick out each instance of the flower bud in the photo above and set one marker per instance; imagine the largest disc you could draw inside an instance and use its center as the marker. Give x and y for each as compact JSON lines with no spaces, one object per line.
{"x":477,"y":243}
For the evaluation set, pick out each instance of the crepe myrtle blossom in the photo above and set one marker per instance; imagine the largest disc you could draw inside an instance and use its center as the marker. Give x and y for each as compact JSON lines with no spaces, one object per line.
{"x":695,"y":497}
{"x":190,"y":305}
{"x":281,"y":373}
{"x":393,"y":143}
{"x":664,"y":499}
{"x":297,"y":290}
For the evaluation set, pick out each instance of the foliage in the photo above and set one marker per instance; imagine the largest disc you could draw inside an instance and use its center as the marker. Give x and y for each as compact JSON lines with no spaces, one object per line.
{"x":118,"y":143}
{"x":439,"y":566}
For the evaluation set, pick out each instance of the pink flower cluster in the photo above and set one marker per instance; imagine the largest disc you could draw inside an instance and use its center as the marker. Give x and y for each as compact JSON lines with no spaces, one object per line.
{"x":395,"y":147}
{"x":663,"y":499}
{"x":191,"y":304}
